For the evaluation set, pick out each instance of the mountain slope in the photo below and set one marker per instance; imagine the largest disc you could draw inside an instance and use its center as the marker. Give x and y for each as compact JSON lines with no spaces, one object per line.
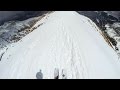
{"x":6,"y":16}
{"x":67,"y":41}
{"x":109,"y":24}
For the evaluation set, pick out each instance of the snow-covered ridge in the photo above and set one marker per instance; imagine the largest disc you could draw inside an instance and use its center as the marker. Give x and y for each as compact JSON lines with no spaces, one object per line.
{"x":67,"y":45}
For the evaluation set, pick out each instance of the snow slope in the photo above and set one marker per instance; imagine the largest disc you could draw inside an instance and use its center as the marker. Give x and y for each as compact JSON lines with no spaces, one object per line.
{"x":65,"y":40}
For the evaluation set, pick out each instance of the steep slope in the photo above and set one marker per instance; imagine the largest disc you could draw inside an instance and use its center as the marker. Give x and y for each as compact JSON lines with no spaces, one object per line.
{"x":109,"y":23}
{"x":66,"y":42}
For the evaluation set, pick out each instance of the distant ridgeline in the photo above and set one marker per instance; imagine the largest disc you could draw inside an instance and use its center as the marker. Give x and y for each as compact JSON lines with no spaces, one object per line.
{"x":101,"y":18}
{"x":18,"y":15}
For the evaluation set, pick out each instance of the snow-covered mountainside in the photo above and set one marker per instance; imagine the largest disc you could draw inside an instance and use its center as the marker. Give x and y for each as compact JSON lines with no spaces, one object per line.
{"x":14,"y":31}
{"x":64,"y":44}
{"x":113,"y":33}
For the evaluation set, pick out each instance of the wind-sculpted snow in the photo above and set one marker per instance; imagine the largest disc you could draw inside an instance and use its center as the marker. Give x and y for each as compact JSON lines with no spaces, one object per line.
{"x":66,"y":46}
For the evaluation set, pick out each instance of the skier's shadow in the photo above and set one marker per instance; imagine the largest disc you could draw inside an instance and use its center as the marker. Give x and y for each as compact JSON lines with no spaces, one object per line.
{"x":39,"y":74}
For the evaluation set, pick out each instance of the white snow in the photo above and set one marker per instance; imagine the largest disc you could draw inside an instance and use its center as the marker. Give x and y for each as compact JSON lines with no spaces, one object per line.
{"x":67,"y":41}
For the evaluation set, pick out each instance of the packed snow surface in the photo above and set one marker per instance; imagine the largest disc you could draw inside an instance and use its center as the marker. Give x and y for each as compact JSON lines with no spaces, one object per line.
{"x":66,"y":43}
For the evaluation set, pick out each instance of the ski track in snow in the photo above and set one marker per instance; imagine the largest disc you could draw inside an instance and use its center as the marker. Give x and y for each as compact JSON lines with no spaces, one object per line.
{"x":63,"y":43}
{"x":68,"y":53}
